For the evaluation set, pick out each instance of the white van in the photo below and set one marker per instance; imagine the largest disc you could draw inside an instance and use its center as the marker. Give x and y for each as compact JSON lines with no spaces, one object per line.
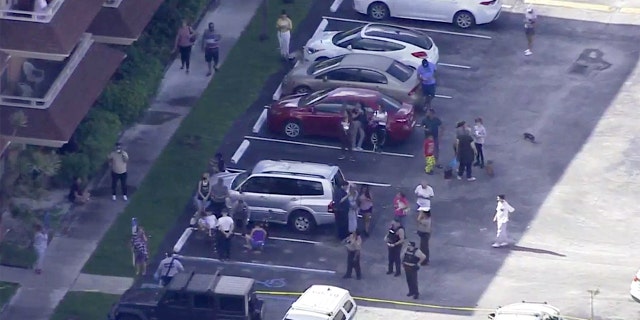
{"x":323,"y":303}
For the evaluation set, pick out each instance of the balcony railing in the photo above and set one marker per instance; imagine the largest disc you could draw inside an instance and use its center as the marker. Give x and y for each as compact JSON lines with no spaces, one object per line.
{"x":41,"y":16}
{"x":112,"y":3}
{"x":44,"y":103}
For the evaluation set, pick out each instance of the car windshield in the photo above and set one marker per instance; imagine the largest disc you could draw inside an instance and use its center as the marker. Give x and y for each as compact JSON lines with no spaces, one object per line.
{"x":413,"y":37}
{"x":313,"y":98}
{"x":324,"y":65}
{"x":389,"y":105}
{"x":343,"y":36}
{"x":239,"y":180}
{"x":400,"y":71}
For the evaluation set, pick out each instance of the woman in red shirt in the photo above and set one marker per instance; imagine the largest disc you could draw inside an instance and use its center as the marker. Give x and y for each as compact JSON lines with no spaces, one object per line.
{"x":401,"y":207}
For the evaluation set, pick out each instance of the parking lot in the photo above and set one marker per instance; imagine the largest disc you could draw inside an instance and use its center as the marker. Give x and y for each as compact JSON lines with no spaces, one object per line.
{"x":567,"y":239}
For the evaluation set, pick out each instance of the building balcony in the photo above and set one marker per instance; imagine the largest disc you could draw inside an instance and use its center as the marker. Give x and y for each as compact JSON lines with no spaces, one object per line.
{"x":44,"y":29}
{"x":121,"y":22}
{"x":54,"y":96}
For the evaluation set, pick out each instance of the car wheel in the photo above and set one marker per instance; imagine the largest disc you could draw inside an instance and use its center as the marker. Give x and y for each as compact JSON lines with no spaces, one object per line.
{"x":464,"y":20}
{"x":378,"y":11}
{"x":292,"y":129}
{"x":302,"y":89}
{"x":302,"y":221}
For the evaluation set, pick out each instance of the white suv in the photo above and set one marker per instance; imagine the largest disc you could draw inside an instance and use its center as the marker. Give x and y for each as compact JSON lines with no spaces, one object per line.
{"x":526,"y":311}
{"x":287,"y":192}
{"x":634,"y":290}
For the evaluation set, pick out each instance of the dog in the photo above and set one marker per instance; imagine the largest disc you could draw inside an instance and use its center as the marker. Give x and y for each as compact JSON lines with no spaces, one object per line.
{"x":529,"y":137}
{"x":488,"y":167}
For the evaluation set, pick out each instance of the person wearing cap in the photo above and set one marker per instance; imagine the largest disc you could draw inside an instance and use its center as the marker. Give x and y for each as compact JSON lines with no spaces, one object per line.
{"x":530,"y":19}
{"x":394,"y":239}
{"x":501,"y":218}
{"x":424,"y":231}
{"x":411,"y":260}
{"x":118,"y":159}
{"x":426,"y":74}
{"x":168,"y":268}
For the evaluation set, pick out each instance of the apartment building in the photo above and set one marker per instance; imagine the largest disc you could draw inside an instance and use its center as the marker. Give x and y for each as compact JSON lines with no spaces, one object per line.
{"x":56,"y":57}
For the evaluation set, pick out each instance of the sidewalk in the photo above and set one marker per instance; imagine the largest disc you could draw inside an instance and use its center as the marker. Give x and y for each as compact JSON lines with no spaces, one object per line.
{"x":39,"y":295}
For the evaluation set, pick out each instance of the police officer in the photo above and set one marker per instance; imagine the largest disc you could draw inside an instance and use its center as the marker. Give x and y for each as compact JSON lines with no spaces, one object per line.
{"x":411,"y":260}
{"x":168,"y":267}
{"x":394,"y":239}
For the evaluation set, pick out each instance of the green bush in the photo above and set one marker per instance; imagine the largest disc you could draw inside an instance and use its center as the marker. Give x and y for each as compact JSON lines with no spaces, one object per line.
{"x":96,"y":135}
{"x":73,"y":165}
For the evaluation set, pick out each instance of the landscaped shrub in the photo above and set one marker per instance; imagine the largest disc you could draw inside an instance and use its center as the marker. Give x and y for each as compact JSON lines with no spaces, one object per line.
{"x":73,"y":165}
{"x":96,"y":136}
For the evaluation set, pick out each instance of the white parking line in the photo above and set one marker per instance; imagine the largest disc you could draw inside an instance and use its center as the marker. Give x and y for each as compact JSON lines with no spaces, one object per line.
{"x":472,"y":35}
{"x":507,"y":6}
{"x":336,"y":5}
{"x":374,"y":184}
{"x":287,"y":239}
{"x":320,"y":29}
{"x":240,"y":151}
{"x":182,"y":240}
{"x":325,"y":146}
{"x":254,"y":264}
{"x":261,"y":119}
{"x":453,"y":65}
{"x":276,"y":95}
{"x":443,"y":97}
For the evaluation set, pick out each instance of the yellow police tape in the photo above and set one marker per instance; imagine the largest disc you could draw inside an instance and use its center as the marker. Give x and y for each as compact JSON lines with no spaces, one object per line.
{"x":401,"y":303}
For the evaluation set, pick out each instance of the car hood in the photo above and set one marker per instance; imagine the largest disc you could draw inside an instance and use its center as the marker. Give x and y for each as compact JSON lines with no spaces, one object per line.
{"x":291,"y":101}
{"x":142,"y":296}
{"x":227,"y":178}
{"x":322,"y":39}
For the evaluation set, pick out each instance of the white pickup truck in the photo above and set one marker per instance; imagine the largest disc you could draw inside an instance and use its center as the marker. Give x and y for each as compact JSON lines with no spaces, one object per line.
{"x":526,"y":311}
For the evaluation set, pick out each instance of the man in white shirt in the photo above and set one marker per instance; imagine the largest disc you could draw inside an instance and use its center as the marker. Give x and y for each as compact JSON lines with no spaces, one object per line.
{"x":225,"y":231}
{"x":208,"y":223}
{"x":168,"y":268}
{"x":503,"y":209}
{"x":424,"y":193}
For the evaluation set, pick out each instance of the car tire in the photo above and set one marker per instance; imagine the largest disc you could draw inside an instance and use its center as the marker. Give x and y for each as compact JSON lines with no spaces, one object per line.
{"x":302,"y":221}
{"x":292,"y":129}
{"x":378,"y":11}
{"x":301,"y":89}
{"x":464,"y":20}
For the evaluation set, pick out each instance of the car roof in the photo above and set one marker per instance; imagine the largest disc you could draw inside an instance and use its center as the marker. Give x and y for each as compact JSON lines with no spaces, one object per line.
{"x":366,"y":60}
{"x":297,"y":168}
{"x":234,"y":286}
{"x":321,"y":299}
{"x":526,"y":310}
{"x":193,"y":282}
{"x":383,"y":30}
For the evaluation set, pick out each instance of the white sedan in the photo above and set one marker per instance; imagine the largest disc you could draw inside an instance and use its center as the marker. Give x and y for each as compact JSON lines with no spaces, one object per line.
{"x":635,"y":287}
{"x":406,"y":45}
{"x":462,"y":13}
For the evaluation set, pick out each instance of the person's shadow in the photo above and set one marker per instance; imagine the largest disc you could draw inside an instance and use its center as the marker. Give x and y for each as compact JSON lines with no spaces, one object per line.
{"x":535,"y":250}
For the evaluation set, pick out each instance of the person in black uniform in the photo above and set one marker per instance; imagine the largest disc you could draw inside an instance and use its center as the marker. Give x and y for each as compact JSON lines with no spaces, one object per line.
{"x":341,"y":210}
{"x":411,"y":260}
{"x":394,"y":239}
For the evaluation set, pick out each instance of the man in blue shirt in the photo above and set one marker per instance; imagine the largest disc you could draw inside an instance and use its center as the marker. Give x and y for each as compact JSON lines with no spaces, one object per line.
{"x":426,"y":74}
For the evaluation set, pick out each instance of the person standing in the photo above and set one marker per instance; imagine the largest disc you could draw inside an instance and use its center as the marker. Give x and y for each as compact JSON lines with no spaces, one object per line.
{"x":501,"y":218}
{"x":40,"y":244}
{"x":203,"y":197}
{"x":433,"y":125}
{"x":353,"y":244}
{"x":530,"y":19}
{"x":219,"y":194}
{"x":357,"y":131}
{"x":411,"y":260}
{"x":394,"y":239}
{"x":424,"y":194}
{"x":118,"y":160}
{"x":240,"y":214}
{"x":217,"y":164}
{"x":426,"y":74}
{"x":344,"y":132}
{"x":139,"y":250}
{"x":211,"y":48}
{"x":424,"y":232}
{"x":168,"y":268}
{"x":400,"y":207}
{"x":365,"y":203}
{"x":185,"y":39}
{"x":465,"y":153}
{"x":479,"y":135}
{"x":225,"y":232}
{"x":429,"y":153}
{"x":341,"y":210}
{"x":284,"y":27}
{"x":353,"y":208}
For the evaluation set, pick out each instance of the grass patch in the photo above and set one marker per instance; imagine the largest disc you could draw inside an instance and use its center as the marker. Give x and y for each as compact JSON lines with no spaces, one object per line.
{"x":14,"y":255}
{"x":84,"y":305}
{"x":7,"y":290}
{"x":168,"y":186}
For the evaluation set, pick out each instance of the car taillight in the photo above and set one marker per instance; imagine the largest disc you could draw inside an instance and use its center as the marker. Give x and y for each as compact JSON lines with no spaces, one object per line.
{"x":636,"y":279}
{"x":331,"y":208}
{"x":488,"y":3}
{"x":420,"y":54}
{"x":413,"y":91}
{"x":403,"y":120}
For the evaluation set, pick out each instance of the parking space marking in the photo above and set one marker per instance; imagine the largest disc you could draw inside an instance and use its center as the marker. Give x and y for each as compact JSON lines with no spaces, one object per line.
{"x":240,"y":151}
{"x":453,"y":65}
{"x":320,"y":29}
{"x":374,"y":184}
{"x":261,"y":119}
{"x":336,"y":5}
{"x":182,"y":240}
{"x":472,"y":35}
{"x":255,"y":264}
{"x":572,"y":5}
{"x":443,"y":96}
{"x":507,"y":6}
{"x":325,"y":146}
{"x":288,"y":239}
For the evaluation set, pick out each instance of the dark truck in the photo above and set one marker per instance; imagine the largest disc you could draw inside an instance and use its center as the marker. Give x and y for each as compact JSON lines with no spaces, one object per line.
{"x":192,"y":296}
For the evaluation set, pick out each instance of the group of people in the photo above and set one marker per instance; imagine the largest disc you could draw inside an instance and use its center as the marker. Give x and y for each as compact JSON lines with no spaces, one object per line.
{"x":356,"y":125}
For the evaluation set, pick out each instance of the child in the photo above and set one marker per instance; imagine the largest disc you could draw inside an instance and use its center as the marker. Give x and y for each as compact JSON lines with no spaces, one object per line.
{"x":429,"y":149}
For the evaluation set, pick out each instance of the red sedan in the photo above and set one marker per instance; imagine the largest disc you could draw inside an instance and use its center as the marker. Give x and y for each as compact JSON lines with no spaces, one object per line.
{"x":320,"y":113}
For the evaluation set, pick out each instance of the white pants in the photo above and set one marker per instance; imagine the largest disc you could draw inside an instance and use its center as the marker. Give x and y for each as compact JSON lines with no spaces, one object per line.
{"x":40,"y":251}
{"x":283,"y":39}
{"x":502,"y":235}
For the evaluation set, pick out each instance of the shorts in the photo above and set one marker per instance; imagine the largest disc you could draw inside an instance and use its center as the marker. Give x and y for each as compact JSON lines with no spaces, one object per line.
{"x":529,"y":31}
{"x":366,"y":214}
{"x":429,"y":90}
{"x":256,"y":245}
{"x":211,"y":55}
{"x":141,"y":257}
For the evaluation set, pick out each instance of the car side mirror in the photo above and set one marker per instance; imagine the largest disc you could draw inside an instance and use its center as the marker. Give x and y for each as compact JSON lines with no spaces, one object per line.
{"x":349,"y":47}
{"x":325,"y":78}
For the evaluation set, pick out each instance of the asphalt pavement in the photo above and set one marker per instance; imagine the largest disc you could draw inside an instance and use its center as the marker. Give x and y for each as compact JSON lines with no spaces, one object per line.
{"x":566,"y":240}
